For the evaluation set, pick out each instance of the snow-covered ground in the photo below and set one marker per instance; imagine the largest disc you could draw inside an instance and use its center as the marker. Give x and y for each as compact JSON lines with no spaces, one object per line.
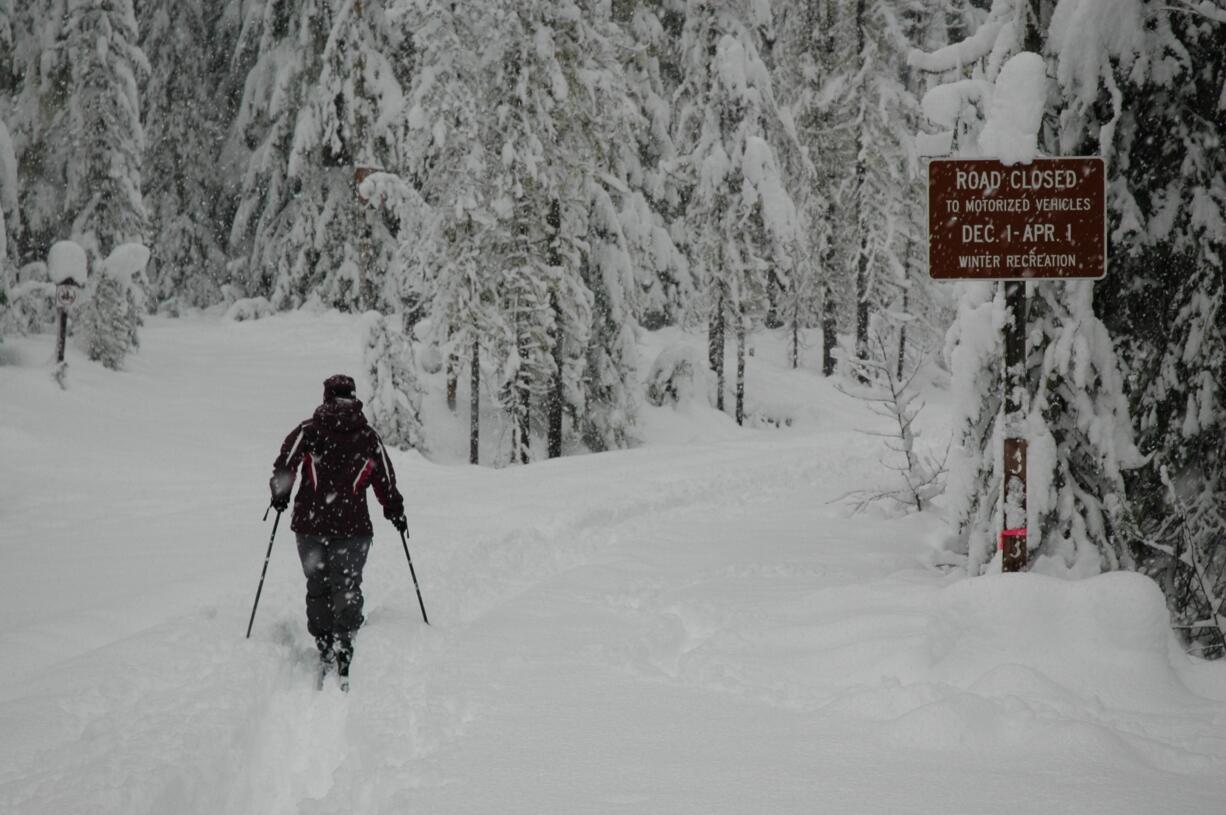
{"x":693,"y":626}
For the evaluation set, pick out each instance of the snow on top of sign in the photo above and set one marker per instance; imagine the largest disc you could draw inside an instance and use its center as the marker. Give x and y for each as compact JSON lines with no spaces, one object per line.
{"x":66,"y":261}
{"x":1015,"y":113}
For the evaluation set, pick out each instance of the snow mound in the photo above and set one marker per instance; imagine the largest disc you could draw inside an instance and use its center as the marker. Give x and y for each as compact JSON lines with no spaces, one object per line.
{"x":250,"y":308}
{"x":677,"y":376}
{"x":1107,"y":638}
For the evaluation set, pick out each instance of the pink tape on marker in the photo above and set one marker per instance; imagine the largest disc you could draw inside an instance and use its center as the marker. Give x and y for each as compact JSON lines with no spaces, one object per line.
{"x":1011,"y":533}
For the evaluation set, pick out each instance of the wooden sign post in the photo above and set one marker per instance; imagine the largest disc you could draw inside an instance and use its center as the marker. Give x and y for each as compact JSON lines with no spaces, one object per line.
{"x":1013,"y":223}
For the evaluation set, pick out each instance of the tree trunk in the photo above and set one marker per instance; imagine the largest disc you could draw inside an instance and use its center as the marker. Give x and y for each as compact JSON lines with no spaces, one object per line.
{"x":522,"y":419}
{"x":740,"y":369}
{"x":715,"y":347}
{"x":796,"y":338}
{"x":453,"y":372}
{"x":902,"y":334}
{"x":553,"y":407}
{"x":555,"y":399}
{"x":474,"y":405}
{"x":861,"y":213}
{"x":830,"y":332}
{"x":520,"y":395}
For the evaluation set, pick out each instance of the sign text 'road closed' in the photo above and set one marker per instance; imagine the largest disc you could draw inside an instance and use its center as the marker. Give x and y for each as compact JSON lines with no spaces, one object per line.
{"x":990,"y":221}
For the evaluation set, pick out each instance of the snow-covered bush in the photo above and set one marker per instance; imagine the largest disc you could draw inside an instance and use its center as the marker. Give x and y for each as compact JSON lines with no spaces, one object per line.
{"x":249,"y":308}
{"x":677,"y":376}
{"x":893,"y":395}
{"x":30,"y":308}
{"x":430,"y":358}
{"x":394,"y":404}
{"x":109,"y":321}
{"x":111,"y":315}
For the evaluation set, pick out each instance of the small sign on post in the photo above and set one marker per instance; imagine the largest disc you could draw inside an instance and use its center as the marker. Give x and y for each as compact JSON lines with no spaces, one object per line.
{"x":1045,"y":220}
{"x":66,"y":295}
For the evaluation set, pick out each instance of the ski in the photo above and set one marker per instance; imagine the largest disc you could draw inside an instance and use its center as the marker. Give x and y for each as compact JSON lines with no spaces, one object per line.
{"x":321,"y":677}
{"x":342,"y":670}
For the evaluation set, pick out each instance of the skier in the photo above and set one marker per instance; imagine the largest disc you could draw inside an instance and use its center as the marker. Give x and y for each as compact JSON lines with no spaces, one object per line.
{"x":340,"y":455}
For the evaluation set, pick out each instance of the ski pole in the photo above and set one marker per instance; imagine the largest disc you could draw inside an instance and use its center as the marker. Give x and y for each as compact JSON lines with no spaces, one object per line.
{"x":271,"y":538}
{"x":412,"y":571}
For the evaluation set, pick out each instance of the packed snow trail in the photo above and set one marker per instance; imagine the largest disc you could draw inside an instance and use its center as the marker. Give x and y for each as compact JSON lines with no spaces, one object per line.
{"x":673,"y":629}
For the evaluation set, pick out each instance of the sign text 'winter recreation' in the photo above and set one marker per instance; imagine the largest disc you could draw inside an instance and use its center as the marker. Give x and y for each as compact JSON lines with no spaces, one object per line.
{"x":991,"y":221}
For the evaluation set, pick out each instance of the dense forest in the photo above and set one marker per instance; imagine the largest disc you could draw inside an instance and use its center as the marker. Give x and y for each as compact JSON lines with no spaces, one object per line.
{"x":525,"y":184}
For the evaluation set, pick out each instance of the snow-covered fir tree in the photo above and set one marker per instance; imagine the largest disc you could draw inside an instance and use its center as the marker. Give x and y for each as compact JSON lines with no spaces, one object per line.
{"x":810,"y":78}
{"x":35,"y":106}
{"x":442,"y":269}
{"x":394,"y":403}
{"x":651,"y":206}
{"x":317,"y":104}
{"x":8,"y":204}
{"x":883,"y":198}
{"x":741,"y":220}
{"x":186,"y":115}
{"x":106,"y":321}
{"x":114,"y":301}
{"x":1164,"y":297}
{"x":103,"y":191}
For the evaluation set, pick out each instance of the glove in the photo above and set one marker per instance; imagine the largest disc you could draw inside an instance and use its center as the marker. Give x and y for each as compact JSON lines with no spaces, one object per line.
{"x":400,"y":523}
{"x":280,"y":502}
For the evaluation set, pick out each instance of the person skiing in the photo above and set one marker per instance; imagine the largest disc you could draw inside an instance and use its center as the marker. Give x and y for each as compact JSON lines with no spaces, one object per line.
{"x":339,"y":455}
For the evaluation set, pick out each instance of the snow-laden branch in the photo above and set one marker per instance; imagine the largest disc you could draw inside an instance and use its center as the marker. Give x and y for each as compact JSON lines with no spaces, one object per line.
{"x":1208,"y":10}
{"x":959,"y":54}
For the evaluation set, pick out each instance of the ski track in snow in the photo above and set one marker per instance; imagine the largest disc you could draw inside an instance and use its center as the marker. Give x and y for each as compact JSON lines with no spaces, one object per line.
{"x":670,"y":629}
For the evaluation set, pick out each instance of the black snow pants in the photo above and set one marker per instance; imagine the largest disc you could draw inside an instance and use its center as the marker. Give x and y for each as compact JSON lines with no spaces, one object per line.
{"x":333,"y":569}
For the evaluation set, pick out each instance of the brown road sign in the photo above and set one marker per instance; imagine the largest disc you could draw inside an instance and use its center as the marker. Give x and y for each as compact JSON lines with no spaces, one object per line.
{"x":991,"y":221}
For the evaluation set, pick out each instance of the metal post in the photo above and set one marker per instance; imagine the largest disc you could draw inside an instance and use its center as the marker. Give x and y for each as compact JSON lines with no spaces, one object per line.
{"x":1013,"y":536}
{"x":63,"y":336}
{"x":1013,"y":543}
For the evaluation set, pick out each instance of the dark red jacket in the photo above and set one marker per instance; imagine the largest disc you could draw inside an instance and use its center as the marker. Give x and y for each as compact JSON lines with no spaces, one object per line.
{"x":339,"y":455}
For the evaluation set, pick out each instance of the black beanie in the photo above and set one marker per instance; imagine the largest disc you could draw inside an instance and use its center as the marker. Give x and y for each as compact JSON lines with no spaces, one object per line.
{"x":339,"y":386}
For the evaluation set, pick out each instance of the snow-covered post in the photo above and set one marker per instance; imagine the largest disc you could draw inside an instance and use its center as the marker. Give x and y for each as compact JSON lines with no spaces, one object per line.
{"x":68,"y":271}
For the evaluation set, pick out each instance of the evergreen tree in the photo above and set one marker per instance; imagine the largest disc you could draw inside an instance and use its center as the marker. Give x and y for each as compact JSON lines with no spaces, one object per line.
{"x":1164,"y":297}
{"x":394,"y":403}
{"x":742,"y":224}
{"x":882,"y":194}
{"x":442,"y":269}
{"x":103,"y":189}
{"x":37,"y":86}
{"x":8,"y":202}
{"x":186,"y":116}
{"x":106,"y":321}
{"x":317,"y":103}
{"x":651,"y":204}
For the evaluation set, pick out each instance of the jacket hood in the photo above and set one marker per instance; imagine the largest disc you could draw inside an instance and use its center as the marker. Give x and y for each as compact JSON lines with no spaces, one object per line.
{"x":340,"y":415}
